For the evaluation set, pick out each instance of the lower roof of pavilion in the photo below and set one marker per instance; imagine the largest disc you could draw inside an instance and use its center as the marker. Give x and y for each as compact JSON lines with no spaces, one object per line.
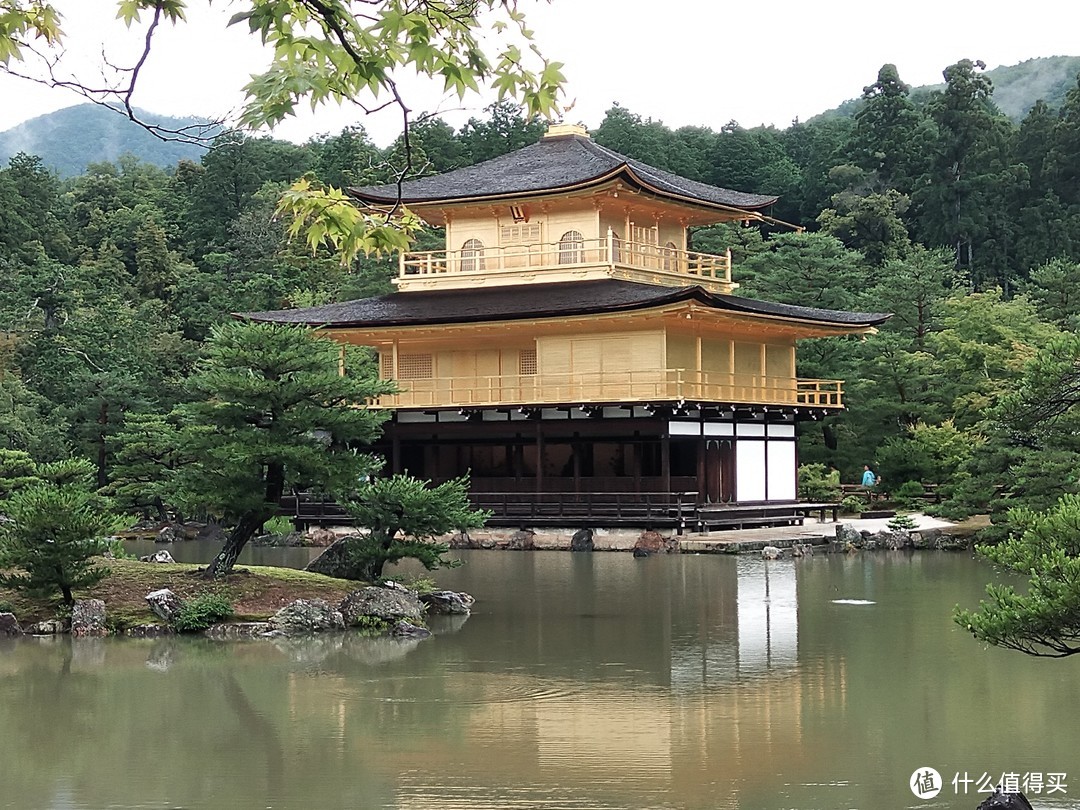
{"x":559,"y":300}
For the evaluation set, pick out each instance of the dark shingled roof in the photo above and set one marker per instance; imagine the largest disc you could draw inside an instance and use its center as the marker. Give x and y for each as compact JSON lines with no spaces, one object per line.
{"x":554,"y":164}
{"x":541,"y":301}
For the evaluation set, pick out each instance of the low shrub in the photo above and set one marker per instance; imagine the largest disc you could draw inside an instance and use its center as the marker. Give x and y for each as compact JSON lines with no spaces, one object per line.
{"x":202,"y":612}
{"x":818,"y":483}
{"x":909,"y":492}
{"x":278,"y":525}
{"x":852,"y":505}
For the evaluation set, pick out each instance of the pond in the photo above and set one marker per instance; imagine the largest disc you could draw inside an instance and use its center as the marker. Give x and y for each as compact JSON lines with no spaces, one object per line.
{"x":580,"y":681}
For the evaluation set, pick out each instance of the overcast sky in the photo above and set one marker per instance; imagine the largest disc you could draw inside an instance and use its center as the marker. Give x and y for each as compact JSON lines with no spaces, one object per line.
{"x":702,"y":62}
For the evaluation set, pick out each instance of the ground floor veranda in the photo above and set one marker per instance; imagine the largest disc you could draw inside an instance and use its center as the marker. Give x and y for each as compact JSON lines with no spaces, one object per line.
{"x":655,"y":464}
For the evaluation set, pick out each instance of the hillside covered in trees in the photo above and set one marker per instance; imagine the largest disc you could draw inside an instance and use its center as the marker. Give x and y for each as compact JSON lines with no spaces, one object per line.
{"x":943,"y":211}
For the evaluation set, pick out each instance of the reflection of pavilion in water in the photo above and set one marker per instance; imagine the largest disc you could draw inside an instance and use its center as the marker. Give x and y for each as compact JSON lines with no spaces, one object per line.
{"x":765,"y":640}
{"x":725,"y":701}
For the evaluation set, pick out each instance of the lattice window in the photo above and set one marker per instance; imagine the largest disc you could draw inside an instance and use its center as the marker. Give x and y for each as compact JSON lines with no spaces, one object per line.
{"x":526,"y":233}
{"x":386,"y":365}
{"x":571,"y":248}
{"x":669,"y":254}
{"x":472,"y":256}
{"x":527,"y":361}
{"x":415,"y":367}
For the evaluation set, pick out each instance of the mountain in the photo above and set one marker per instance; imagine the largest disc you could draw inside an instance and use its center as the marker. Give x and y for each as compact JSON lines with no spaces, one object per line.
{"x":69,"y":139}
{"x":1016,"y":87}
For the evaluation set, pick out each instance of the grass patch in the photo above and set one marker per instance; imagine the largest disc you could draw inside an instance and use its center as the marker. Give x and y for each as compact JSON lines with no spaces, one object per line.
{"x":256,"y":592}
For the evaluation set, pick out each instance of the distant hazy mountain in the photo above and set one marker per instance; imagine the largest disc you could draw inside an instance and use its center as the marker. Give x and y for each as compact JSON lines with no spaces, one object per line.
{"x":1016,"y":87}
{"x":70,"y":139}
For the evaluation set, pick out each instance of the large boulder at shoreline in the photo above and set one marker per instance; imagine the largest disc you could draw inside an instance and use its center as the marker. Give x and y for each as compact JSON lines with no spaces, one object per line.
{"x":9,"y":625}
{"x":1005,"y":801}
{"x":848,"y":535}
{"x":307,"y":616}
{"x":387,"y":605}
{"x":171,"y":533}
{"x":160,"y":556}
{"x":333,"y":561}
{"x":522,"y":540}
{"x":405,"y":629}
{"x":582,"y":540}
{"x":165,"y":604}
{"x":652,"y":542}
{"x":88,"y":618}
{"x":448,"y":602}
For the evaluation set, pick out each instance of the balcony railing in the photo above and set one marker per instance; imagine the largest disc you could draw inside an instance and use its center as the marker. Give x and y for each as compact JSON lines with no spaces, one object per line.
{"x":631,"y":386}
{"x":609,"y":251}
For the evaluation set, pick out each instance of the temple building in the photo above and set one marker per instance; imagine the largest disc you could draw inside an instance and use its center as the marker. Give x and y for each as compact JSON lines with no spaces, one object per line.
{"x":569,"y":351}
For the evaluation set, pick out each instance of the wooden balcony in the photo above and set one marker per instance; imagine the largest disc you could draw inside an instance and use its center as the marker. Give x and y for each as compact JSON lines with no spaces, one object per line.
{"x":662,"y":385}
{"x":609,"y":257}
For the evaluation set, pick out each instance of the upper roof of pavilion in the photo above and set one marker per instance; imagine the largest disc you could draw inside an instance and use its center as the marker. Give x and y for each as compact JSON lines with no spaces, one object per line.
{"x":564,"y":160}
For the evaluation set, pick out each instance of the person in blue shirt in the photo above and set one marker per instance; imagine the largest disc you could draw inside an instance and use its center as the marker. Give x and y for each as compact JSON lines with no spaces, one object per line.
{"x":869,"y":480}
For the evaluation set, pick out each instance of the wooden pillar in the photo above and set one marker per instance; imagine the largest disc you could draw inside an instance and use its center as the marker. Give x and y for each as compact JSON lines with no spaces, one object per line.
{"x":702,"y":470}
{"x":575,"y":454}
{"x":539,"y":456}
{"x":665,"y":462}
{"x":633,"y":461}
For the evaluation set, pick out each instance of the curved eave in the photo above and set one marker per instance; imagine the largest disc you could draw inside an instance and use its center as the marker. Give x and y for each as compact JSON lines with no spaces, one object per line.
{"x":624,"y":172}
{"x":863,"y":322}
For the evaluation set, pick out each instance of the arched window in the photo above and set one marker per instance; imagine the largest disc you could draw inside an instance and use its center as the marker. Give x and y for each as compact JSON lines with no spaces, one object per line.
{"x":472,"y":256}
{"x":669,"y":260}
{"x":571,"y":248}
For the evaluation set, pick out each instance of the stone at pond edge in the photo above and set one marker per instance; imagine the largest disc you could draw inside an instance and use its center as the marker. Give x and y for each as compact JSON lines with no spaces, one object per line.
{"x":149,"y":631}
{"x":846,"y":534}
{"x":165,"y":604}
{"x":652,"y":542}
{"x":385,"y":604}
{"x":1005,"y":801}
{"x":49,"y":627}
{"x":462,"y":540}
{"x":582,"y":540}
{"x":88,"y":618}
{"x":770,"y":553}
{"x":404,"y":629}
{"x":447,"y":602}
{"x":9,"y":626}
{"x":160,"y":556}
{"x":522,"y":540}
{"x":332,"y":562}
{"x":307,"y":616}
{"x":239,"y":630}
{"x":171,"y":534}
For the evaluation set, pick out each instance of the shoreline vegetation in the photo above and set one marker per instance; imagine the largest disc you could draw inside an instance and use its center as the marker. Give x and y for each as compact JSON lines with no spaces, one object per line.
{"x":256,"y":593}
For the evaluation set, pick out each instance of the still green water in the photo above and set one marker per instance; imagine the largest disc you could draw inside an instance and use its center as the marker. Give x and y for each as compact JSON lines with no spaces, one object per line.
{"x":580,"y":681}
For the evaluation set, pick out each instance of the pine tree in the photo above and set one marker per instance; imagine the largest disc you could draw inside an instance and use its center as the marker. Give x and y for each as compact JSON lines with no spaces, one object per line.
{"x":403,"y":516}
{"x":51,"y":537}
{"x":271,"y":412}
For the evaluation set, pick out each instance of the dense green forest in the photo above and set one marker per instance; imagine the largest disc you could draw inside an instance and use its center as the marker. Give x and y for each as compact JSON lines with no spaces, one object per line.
{"x":940,"y":210}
